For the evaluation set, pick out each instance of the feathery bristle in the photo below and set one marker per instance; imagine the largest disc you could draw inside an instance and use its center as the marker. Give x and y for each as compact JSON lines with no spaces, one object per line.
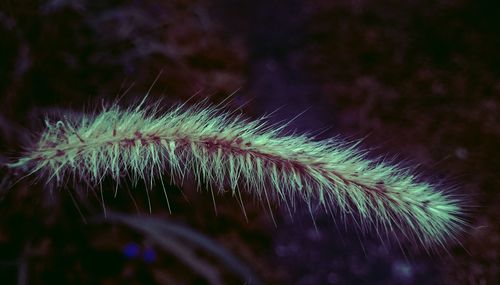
{"x":228,"y":152}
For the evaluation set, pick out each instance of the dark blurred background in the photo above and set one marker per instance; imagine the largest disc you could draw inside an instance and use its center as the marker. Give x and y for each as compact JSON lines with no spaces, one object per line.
{"x":417,"y":80}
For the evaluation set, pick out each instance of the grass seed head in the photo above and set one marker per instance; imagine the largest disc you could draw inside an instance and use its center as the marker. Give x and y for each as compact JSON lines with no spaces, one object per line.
{"x":230,"y":153}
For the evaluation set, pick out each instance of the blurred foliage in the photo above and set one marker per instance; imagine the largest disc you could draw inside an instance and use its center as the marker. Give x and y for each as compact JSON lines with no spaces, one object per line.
{"x":418,"y":78}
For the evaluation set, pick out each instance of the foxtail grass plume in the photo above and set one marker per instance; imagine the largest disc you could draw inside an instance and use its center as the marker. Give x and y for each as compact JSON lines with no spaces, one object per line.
{"x":226,"y":152}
